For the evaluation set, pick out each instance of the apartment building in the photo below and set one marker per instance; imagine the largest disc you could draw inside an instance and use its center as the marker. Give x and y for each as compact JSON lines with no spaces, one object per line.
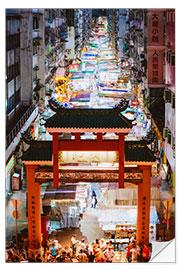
{"x":21,"y":108}
{"x":170,"y":128}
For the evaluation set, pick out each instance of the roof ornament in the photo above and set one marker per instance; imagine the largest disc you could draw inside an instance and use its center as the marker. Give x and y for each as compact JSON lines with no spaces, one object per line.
{"x":122,"y":105}
{"x":27,"y":137}
{"x":55,"y":105}
{"x":148,"y":139}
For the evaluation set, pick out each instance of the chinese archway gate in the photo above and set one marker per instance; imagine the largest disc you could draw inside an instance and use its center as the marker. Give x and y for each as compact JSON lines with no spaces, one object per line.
{"x":77,"y":121}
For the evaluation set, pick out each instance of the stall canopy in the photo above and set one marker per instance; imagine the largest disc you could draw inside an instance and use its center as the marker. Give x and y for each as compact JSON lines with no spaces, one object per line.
{"x":65,"y":214}
{"x":124,"y":215}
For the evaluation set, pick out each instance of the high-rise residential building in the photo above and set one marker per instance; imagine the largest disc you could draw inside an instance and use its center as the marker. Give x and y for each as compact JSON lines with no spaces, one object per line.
{"x":169,"y":130}
{"x":20,"y":104}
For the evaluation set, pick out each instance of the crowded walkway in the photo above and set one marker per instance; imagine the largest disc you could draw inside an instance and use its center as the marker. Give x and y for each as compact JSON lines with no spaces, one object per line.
{"x":97,"y":251}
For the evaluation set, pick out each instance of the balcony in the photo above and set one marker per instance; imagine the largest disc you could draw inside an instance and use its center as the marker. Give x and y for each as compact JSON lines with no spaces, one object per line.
{"x":18,"y":124}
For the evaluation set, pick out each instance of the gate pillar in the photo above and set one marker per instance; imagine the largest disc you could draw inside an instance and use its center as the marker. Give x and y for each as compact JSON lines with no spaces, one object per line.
{"x":121,"y":159}
{"x":143,"y":206}
{"x":55,"y":160}
{"x":34,"y":210}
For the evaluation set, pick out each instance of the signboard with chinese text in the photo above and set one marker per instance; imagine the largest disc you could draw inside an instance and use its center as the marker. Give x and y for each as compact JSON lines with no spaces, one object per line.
{"x":155,"y":28}
{"x":155,"y":66}
{"x":88,"y":157}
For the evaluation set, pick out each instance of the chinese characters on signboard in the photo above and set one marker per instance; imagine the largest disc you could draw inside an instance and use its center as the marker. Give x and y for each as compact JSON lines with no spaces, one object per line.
{"x":155,"y":28}
{"x":155,"y":66}
{"x":155,"y":47}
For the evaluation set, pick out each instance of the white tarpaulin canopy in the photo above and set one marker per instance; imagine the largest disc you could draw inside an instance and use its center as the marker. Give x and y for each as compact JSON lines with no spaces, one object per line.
{"x":124,"y":214}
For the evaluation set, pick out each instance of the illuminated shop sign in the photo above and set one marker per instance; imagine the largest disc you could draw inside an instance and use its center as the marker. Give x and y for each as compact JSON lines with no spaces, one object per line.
{"x":10,"y":165}
{"x":74,"y":67}
{"x":88,"y":157}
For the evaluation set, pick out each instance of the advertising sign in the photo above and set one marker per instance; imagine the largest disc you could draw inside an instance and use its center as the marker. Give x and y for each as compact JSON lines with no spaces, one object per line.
{"x":134,"y":102}
{"x":155,"y":28}
{"x":155,"y":66}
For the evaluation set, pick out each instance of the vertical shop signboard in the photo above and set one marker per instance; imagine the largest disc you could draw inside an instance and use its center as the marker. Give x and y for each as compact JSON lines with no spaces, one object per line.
{"x":155,"y":66}
{"x":156,"y":49}
{"x":155,"y":28}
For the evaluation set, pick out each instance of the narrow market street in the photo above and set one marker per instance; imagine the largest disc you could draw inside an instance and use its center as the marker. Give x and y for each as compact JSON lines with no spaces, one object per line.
{"x":80,"y":190}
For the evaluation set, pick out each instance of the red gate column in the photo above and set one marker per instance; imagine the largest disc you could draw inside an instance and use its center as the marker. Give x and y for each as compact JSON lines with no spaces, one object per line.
{"x":34,"y":210}
{"x":55,"y":160}
{"x":121,"y":159}
{"x":143,"y":206}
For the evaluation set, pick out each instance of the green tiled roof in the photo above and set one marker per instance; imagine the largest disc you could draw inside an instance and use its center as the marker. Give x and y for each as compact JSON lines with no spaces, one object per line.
{"x":39,"y":151}
{"x":134,"y":152}
{"x":88,"y":118}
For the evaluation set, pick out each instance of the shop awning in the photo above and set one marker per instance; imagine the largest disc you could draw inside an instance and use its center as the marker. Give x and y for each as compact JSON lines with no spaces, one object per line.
{"x":124,"y":215}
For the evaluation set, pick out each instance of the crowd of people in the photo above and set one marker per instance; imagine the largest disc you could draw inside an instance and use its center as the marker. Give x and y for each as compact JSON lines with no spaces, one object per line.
{"x":79,"y":251}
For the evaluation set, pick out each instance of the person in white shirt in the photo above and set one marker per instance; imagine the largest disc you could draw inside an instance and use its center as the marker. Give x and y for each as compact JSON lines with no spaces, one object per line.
{"x":134,"y":253}
{"x":102,"y":245}
{"x":109,"y":254}
{"x":74,"y":243}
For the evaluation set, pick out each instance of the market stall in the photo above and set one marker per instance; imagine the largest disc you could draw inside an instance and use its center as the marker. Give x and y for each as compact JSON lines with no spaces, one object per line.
{"x":119,"y":223}
{"x":64,"y":214}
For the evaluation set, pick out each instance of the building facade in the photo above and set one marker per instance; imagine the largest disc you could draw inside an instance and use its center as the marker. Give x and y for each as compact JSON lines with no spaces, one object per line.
{"x":169,"y":131}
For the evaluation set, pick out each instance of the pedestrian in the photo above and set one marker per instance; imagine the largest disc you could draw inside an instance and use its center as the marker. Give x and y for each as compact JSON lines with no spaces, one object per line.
{"x":139,"y":252}
{"x":82,"y":257}
{"x":91,"y":256}
{"x":53,"y":250}
{"x":61,"y":256}
{"x":86,"y":250}
{"x":128,"y":252}
{"x":68,"y":258}
{"x":133,"y":251}
{"x":93,"y":193}
{"x":45,"y":246}
{"x":133,"y":238}
{"x":109,"y":254}
{"x":74,"y":243}
{"x":32,"y":258}
{"x":110,"y":245}
{"x":38,"y":258}
{"x":95,"y":201}
{"x":82,"y":244}
{"x":102,"y":245}
{"x":145,"y":253}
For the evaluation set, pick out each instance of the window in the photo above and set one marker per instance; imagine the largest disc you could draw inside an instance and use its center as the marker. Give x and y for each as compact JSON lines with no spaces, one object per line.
{"x":169,"y":57}
{"x":35,"y":49}
{"x":169,"y":137}
{"x":17,"y":97}
{"x":173,"y":101}
{"x":35,"y":22}
{"x":173,"y":60}
{"x":10,"y":87}
{"x":18,"y":82}
{"x":10,"y":104}
{"x":17,"y":55}
{"x":167,"y":96}
{"x":10,"y":58}
{"x":173,"y":142}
